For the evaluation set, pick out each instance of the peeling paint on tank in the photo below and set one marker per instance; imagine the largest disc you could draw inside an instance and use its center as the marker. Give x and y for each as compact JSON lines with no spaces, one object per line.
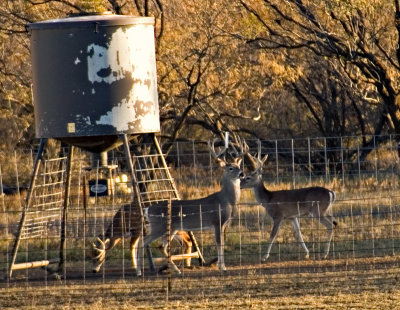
{"x":77,"y":61}
{"x":120,"y":56}
{"x":147,"y":82}
{"x":123,"y":116}
{"x":119,"y":60}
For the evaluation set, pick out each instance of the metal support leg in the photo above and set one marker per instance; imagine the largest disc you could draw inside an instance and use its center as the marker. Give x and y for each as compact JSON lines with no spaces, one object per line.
{"x":27,"y":204}
{"x":66,"y":204}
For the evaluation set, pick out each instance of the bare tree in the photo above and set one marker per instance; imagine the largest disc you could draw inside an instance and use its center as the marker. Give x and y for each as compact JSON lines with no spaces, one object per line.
{"x":203,"y":85}
{"x":361,"y":39}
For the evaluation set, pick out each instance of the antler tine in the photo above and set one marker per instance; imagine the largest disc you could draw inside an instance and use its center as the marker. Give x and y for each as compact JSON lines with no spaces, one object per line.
{"x":233,"y":146}
{"x":244,"y":148}
{"x":260,"y":160}
{"x":101,"y":253}
{"x":100,"y":250}
{"x":213,"y":152}
{"x":103,"y":245}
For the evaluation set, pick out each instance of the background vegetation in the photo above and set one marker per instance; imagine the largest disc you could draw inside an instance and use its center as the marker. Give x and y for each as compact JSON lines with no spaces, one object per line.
{"x":262,"y":68}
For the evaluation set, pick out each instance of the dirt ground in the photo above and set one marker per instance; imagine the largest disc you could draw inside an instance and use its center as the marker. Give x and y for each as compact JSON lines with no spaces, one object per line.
{"x":341,"y":284}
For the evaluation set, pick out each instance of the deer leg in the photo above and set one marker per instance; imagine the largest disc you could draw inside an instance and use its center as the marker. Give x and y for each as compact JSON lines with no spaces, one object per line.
{"x":329,"y":227}
{"x":188,"y":244}
{"x":185,"y":242}
{"x":136,"y":255}
{"x":219,"y":239}
{"x":297,"y":231}
{"x":274,"y":232}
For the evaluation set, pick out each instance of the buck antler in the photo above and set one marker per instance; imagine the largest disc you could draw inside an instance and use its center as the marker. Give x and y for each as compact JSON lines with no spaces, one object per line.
{"x":214,"y":153}
{"x":237,"y":155}
{"x":260,"y":162}
{"x":244,"y":148}
{"x":101,"y":250}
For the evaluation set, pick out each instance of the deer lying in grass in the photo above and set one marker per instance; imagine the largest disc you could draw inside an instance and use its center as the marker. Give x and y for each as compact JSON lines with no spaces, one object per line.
{"x":212,"y":212}
{"x":122,"y":225}
{"x":291,"y":204}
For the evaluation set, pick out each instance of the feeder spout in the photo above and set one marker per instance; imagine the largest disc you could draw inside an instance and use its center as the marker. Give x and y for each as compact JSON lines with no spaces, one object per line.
{"x":99,"y":159}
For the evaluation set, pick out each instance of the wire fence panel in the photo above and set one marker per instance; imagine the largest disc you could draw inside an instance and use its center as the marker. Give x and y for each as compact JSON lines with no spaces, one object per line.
{"x":365,"y":246}
{"x":47,"y":199}
{"x":300,"y":161}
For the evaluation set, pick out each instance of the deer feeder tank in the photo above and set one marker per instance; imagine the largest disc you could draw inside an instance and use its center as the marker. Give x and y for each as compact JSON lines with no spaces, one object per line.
{"x":94,"y":86}
{"x":94,"y":78}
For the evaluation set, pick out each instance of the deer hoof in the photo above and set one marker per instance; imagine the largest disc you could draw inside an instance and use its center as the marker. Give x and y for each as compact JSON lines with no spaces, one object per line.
{"x":176,"y":269}
{"x":222,"y":268}
{"x":307,"y":256}
{"x":265,"y":257}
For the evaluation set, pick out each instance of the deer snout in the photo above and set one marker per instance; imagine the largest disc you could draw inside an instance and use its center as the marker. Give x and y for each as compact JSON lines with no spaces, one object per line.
{"x":244,"y":181}
{"x":241,"y":175}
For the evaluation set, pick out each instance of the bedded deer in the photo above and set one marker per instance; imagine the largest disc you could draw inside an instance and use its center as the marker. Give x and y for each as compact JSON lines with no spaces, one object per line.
{"x":212,"y":212}
{"x":291,"y":204}
{"x":122,"y":225}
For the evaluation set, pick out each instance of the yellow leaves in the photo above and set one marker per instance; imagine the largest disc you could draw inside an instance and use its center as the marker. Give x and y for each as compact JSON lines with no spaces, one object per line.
{"x":369,"y":7}
{"x":251,"y":26}
{"x":93,"y":6}
{"x":276,"y":66}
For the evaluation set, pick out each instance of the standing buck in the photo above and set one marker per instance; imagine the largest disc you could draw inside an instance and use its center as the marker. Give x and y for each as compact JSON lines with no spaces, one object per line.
{"x":122,"y":225}
{"x":291,"y":204}
{"x":211,"y":212}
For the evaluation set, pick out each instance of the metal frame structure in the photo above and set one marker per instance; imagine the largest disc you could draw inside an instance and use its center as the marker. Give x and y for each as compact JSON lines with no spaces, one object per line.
{"x":49,"y":192}
{"x":43,"y":203}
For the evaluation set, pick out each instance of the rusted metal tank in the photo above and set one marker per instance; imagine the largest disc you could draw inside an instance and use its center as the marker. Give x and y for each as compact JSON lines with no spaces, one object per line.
{"x":94,"y":77}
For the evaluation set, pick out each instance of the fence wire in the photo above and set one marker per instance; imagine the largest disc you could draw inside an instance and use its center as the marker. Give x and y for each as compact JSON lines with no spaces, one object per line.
{"x":364,"y":250}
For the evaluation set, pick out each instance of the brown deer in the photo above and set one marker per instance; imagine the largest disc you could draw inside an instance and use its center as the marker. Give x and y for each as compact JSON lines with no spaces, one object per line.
{"x":291,"y":204}
{"x":124,"y":222}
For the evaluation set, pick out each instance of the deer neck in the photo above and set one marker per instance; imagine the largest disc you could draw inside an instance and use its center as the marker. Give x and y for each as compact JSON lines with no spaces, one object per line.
{"x":261,"y":193}
{"x":230,"y":190}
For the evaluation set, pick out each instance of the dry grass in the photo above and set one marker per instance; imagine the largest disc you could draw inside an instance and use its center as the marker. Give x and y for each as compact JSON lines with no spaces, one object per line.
{"x":345,"y":287}
{"x":347,"y":281}
{"x":366,"y":300}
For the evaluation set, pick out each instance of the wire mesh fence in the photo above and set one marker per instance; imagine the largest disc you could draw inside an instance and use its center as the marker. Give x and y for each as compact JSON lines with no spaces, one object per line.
{"x":364,"y":249}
